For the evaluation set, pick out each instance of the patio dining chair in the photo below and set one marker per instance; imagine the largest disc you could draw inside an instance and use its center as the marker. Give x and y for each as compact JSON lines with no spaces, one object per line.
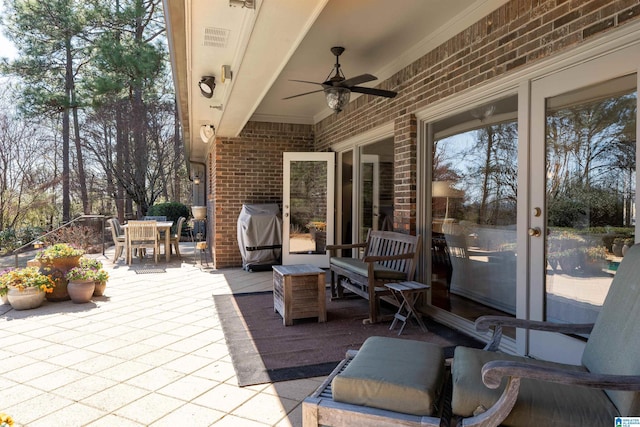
{"x":175,"y":238}
{"x":154,"y":218}
{"x":118,"y":238}
{"x":142,"y":235}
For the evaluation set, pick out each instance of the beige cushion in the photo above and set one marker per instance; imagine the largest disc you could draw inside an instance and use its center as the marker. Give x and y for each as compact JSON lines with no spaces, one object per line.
{"x":362,"y":268}
{"x":394,"y":374}
{"x":539,"y":403}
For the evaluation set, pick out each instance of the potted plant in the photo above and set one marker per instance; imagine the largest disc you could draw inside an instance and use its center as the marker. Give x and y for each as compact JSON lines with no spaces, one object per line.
{"x":55,"y":261}
{"x":5,"y":420}
{"x":101,"y":276}
{"x":82,"y":283}
{"x":25,"y":287}
{"x":594,"y":259}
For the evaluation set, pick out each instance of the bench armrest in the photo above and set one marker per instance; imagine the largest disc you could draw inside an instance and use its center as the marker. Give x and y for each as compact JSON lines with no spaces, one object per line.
{"x":333,"y":248}
{"x":346,"y":246}
{"x":484,"y":323}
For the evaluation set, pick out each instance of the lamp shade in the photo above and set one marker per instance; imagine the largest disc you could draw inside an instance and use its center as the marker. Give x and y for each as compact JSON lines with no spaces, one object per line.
{"x":337,"y":97}
{"x":445,"y":189}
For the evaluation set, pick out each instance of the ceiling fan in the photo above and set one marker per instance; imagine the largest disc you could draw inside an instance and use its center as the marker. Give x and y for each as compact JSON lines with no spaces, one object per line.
{"x":337,"y":89}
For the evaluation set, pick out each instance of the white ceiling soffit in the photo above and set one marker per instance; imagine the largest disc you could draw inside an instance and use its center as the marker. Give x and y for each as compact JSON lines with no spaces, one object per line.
{"x":260,"y":43}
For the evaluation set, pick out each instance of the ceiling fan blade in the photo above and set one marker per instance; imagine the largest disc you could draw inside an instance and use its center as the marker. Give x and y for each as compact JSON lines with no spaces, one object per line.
{"x":362,"y":78}
{"x":302,"y":94}
{"x":305,"y":81}
{"x":373,"y":91}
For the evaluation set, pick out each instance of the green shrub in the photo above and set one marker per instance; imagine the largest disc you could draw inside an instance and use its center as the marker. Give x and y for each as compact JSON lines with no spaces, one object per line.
{"x":172,"y":210}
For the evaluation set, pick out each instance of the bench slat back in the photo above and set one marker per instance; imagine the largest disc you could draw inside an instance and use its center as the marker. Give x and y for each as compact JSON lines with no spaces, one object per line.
{"x":386,"y":243}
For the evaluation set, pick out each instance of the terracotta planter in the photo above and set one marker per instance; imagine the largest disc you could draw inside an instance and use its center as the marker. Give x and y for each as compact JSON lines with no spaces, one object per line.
{"x":81,"y":291}
{"x":99,"y":290}
{"x":4,"y":299}
{"x":65,"y":263}
{"x":25,"y":299}
{"x":57,"y":268}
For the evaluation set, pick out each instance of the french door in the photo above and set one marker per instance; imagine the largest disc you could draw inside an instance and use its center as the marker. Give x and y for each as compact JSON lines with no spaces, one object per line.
{"x":308,"y":208}
{"x":582,"y":198}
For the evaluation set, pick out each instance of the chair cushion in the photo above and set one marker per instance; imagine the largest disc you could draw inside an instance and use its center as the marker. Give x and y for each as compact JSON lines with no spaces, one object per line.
{"x":539,"y":403}
{"x":362,"y":268}
{"x":393,"y":374}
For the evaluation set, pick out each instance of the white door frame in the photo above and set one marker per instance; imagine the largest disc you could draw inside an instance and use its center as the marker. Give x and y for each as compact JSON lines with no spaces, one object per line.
{"x":319,"y":260}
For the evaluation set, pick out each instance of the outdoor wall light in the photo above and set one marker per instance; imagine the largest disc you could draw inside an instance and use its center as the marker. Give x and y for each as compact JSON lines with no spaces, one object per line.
{"x":207,"y":84}
{"x":207,"y":132}
{"x":196,"y":179}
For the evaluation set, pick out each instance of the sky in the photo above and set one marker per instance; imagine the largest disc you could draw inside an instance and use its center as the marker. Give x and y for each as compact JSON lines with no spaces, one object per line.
{"x":7,"y":49}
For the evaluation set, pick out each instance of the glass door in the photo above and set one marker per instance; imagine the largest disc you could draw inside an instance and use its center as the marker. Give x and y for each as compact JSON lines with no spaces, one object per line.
{"x":583,"y":205}
{"x":308,"y":214}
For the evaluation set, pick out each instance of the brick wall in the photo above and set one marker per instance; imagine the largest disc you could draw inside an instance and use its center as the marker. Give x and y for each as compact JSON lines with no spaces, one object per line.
{"x":248,"y":169}
{"x":517,"y":34}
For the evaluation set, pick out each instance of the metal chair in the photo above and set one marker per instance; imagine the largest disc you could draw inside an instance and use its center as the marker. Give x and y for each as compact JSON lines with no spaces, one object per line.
{"x":142,"y":235}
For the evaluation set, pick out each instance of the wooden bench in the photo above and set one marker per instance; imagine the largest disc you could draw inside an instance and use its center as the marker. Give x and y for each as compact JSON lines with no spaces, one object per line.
{"x":388,"y":257}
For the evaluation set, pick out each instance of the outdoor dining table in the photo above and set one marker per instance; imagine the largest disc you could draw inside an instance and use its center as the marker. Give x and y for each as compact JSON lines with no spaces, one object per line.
{"x":163,"y":226}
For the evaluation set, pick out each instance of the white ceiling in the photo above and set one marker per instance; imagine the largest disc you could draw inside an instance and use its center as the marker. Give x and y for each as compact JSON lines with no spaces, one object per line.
{"x":281,"y":40}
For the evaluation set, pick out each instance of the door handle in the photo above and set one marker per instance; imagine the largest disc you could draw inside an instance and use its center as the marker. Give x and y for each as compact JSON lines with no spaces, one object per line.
{"x":535,"y":232}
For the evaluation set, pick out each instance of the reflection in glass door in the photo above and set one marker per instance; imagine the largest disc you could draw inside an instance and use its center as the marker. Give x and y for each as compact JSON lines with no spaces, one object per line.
{"x":369,"y":194}
{"x":308,"y":202}
{"x":474,"y":158}
{"x":590,"y":163}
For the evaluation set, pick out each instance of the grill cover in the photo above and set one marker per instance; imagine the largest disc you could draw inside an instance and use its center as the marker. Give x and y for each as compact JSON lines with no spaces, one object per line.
{"x":260,"y":236}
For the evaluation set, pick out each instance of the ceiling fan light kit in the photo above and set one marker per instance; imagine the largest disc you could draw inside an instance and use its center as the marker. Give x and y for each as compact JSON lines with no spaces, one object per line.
{"x":337,"y":89}
{"x":207,"y":84}
{"x":337,"y":98}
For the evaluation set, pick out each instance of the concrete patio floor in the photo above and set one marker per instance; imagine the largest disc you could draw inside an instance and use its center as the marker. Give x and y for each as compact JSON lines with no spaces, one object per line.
{"x":151,"y":352}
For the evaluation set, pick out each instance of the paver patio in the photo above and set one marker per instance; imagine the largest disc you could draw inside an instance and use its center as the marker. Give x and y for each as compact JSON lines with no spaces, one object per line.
{"x":150,"y":352}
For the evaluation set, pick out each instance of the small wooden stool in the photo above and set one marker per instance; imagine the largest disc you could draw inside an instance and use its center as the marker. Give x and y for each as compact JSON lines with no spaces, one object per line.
{"x":409,"y":293}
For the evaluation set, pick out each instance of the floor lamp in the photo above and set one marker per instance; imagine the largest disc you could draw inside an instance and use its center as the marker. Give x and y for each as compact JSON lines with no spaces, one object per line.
{"x":445,"y":189}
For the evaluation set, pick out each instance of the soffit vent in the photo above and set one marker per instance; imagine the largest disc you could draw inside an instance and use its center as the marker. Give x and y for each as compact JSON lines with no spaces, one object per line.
{"x":216,"y":37}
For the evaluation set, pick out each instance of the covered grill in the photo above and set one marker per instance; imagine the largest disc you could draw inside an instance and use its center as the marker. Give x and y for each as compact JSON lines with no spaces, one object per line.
{"x":260,"y":236}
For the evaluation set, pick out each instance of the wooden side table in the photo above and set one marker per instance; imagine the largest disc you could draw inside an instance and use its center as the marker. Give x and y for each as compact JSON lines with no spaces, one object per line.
{"x":406,"y":294}
{"x":299,"y":292}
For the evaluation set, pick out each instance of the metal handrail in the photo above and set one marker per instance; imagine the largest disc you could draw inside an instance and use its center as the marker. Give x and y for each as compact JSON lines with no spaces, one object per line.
{"x":17,"y":252}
